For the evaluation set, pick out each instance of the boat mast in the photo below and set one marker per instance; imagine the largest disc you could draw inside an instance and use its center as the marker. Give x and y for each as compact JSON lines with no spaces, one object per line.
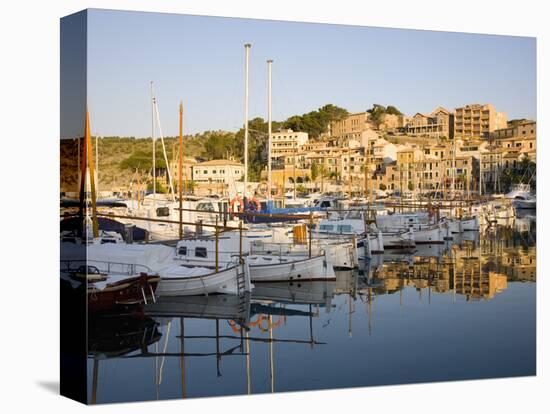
{"x":247,"y":57}
{"x":180,"y":168}
{"x":90,"y":155}
{"x":154,"y":145}
{"x":170,"y":184}
{"x":269,"y":120}
{"x":97,"y":159}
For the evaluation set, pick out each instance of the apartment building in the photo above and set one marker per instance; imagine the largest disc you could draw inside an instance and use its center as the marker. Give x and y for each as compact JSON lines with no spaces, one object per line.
{"x":286,"y":142}
{"x":477,"y":121}
{"x":438,"y":124}
{"x":351,"y":127}
{"x":491,"y":166}
{"x":462,"y":171}
{"x":218,"y":171}
{"x":521,"y":136}
{"x":524,"y":129}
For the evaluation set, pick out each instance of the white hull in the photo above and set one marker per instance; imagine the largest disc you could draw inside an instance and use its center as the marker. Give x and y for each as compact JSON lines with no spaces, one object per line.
{"x":224,"y":281}
{"x":428,"y":235}
{"x":471,"y":224}
{"x":342,"y":255}
{"x":398,"y":240}
{"x":372,"y":244}
{"x":454,"y":226}
{"x":288,"y":268}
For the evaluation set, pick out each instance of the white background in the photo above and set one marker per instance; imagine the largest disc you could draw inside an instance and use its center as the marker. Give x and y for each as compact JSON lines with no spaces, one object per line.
{"x":29,"y":135}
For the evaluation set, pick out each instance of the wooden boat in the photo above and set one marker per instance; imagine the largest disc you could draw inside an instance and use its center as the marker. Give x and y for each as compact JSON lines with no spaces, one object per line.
{"x":176,"y":278}
{"x":343,"y":253}
{"x":110,"y":292}
{"x":185,"y":280}
{"x":265,"y":268}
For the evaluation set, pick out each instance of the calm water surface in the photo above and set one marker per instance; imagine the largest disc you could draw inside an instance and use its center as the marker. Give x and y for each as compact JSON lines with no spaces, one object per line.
{"x":464,"y":310}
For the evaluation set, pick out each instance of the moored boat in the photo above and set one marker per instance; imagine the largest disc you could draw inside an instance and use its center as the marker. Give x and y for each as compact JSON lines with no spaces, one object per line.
{"x":266,"y":268}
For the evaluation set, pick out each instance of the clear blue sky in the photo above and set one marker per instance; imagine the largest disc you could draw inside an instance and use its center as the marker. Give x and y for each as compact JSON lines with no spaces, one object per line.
{"x":200,"y":60}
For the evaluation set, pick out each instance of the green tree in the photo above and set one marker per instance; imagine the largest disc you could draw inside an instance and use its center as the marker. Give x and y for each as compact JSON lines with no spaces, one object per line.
{"x":392,"y":110}
{"x":300,"y":189}
{"x":160,"y":189}
{"x":316,"y":122}
{"x":219,"y":145}
{"x":142,"y":160}
{"x":314,"y":171}
{"x":378,"y":111}
{"x":377,"y":114}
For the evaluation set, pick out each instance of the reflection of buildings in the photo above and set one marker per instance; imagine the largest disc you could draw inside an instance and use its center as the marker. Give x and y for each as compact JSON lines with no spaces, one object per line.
{"x":477,"y":285}
{"x":475,"y":271}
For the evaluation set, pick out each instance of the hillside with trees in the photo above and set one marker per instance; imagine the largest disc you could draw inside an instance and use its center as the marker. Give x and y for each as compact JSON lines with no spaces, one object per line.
{"x":123,"y":159}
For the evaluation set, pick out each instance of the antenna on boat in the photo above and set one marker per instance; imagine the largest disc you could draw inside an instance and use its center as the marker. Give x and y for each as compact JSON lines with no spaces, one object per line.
{"x":246,"y":64}
{"x":269,"y":120}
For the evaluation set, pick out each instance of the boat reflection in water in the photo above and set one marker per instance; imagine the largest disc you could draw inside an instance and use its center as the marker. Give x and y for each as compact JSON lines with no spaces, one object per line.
{"x":403,"y":318}
{"x":112,"y":336}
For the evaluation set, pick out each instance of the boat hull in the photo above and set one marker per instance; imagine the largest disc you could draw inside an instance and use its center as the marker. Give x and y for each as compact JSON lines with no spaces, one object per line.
{"x":224,"y":281}
{"x":303,"y":269}
{"x":429,"y":235}
{"x":398,"y":240}
{"x":129,"y":292}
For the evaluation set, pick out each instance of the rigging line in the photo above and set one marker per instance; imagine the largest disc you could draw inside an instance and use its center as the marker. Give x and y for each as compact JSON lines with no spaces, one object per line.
{"x":164,"y":149}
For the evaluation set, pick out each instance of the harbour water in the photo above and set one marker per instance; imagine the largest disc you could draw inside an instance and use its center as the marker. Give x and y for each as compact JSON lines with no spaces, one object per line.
{"x":458,"y":311}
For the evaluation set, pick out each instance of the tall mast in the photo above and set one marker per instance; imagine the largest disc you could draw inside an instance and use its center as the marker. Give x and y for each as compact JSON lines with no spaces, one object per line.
{"x":164,"y":151}
{"x":88,"y":146}
{"x":247,"y":57}
{"x":97,"y":157}
{"x":269,"y":63}
{"x":180,"y":171}
{"x":154,"y":145}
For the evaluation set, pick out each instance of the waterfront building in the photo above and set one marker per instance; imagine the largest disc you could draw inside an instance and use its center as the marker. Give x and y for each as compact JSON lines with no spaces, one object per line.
{"x":463,"y":171}
{"x":393,"y":122}
{"x":218,"y":172}
{"x":521,"y":135}
{"x":491,"y":166}
{"x":477,"y":121}
{"x":439,"y":124}
{"x":351,"y":127}
{"x":187,"y":172}
{"x":286,"y":143}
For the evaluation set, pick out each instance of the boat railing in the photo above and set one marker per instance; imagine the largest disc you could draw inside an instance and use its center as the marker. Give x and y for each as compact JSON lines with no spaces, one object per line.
{"x":261,"y":247}
{"x":118,"y":268}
